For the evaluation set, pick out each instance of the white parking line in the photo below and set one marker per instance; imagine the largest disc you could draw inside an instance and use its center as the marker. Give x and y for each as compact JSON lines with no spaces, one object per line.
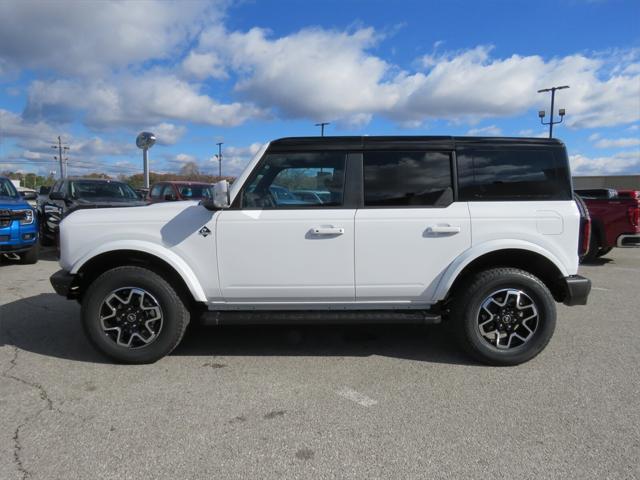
{"x":600,"y":288}
{"x":356,"y":397}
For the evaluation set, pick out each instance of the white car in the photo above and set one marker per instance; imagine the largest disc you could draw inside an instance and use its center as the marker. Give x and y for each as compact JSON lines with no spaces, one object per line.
{"x":482,"y":233}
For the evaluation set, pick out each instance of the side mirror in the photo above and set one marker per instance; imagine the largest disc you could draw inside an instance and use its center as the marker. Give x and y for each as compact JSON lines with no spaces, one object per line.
{"x":58,"y":196}
{"x":169,"y":197}
{"x":220,"y":198}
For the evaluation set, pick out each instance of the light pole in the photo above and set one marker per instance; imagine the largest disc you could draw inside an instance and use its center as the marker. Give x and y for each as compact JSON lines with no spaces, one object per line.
{"x":145,"y":141}
{"x":321,"y":125}
{"x":541,"y":113}
{"x":219,"y":157}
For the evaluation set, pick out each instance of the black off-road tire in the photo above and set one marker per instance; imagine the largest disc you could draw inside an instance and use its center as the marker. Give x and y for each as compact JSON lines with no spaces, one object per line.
{"x":30,"y":256}
{"x":174,"y":312}
{"x":467,"y":302}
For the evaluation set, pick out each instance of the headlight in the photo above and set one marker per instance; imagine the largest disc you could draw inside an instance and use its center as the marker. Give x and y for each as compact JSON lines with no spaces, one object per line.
{"x":26,"y":216}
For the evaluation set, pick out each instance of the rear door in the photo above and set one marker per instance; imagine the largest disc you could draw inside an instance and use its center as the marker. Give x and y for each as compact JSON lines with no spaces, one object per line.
{"x":410,"y":228}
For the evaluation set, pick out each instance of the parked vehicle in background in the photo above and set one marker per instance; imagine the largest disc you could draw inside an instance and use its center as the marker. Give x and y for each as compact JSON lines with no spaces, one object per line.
{"x":615,"y":220}
{"x":392,"y":244}
{"x":18,"y":225}
{"x":30,"y":196}
{"x":73,"y":194}
{"x":172,"y":191}
{"x":313,"y":196}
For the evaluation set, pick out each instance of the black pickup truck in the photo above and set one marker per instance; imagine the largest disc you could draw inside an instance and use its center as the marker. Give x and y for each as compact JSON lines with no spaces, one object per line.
{"x":69,"y":195}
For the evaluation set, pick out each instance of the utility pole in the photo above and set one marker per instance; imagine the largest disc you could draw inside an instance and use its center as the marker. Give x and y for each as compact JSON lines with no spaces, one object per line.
{"x":541,"y":113}
{"x":63,"y":160}
{"x":321,"y":125}
{"x":144,"y":141}
{"x":219,"y":157}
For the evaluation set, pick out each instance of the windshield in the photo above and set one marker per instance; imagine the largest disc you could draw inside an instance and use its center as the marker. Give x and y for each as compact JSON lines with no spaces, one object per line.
{"x":7,"y":189}
{"x":87,"y":190}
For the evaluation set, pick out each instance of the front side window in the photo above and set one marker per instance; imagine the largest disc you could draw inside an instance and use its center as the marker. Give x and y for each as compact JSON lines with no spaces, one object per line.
{"x":155,"y":191}
{"x":297,"y":180}
{"x":401,"y":179}
{"x":512,"y":174}
{"x":7,"y":189}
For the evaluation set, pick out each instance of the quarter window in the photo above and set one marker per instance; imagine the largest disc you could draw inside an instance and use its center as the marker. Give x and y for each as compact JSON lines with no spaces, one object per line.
{"x":486,"y":175}
{"x":297,"y":180}
{"x":401,"y":179}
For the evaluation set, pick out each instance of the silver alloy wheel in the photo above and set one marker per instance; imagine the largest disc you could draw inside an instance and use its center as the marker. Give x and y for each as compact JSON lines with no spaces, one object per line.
{"x":131,"y":317}
{"x":508,"y":318}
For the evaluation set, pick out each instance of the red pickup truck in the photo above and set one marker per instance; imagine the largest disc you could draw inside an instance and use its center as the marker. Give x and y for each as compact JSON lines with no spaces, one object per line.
{"x":615,"y":219}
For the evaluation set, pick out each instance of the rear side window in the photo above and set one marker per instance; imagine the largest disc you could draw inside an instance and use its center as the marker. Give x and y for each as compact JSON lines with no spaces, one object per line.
{"x":514,"y":174}
{"x":407,"y":179}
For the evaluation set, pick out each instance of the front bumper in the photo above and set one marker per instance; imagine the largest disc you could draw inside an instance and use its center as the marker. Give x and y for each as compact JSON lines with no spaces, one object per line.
{"x":577,"y":290}
{"x":628,"y":240}
{"x":65,"y":284}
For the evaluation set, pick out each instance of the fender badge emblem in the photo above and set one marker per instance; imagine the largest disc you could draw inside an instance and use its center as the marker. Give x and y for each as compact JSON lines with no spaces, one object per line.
{"x":205,"y":232}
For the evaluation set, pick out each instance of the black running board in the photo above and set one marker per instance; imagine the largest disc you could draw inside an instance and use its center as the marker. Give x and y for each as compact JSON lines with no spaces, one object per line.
{"x":318,"y":317}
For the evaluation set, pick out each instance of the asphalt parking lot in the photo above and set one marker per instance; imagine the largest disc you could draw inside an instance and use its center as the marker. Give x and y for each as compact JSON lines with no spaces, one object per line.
{"x":320,"y":402}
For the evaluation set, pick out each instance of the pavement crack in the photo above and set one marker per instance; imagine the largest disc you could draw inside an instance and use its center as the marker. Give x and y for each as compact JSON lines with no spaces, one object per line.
{"x":48,"y":406}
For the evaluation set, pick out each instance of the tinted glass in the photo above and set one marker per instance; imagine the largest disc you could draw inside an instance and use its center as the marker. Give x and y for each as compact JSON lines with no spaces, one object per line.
{"x":276,"y":181}
{"x":516,"y":174}
{"x":155,"y":191}
{"x":195,"y":192}
{"x":407,"y":179}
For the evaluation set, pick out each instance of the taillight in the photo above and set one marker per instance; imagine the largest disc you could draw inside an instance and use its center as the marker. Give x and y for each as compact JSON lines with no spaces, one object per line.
{"x":634,"y":215}
{"x":586,"y":236}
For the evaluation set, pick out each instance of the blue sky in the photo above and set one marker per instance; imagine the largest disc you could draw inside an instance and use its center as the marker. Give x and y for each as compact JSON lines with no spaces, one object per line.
{"x":196,"y":73}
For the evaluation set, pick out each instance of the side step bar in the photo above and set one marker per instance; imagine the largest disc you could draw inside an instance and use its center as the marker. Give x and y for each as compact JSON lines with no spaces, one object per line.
{"x":287,"y":317}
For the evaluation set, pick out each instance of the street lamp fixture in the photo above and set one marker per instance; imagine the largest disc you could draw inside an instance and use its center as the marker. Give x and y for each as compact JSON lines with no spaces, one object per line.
{"x":144,"y":141}
{"x":562,"y":112}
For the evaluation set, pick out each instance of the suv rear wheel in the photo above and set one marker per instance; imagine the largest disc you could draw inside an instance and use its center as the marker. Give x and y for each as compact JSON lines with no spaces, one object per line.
{"x":133,"y":315}
{"x":503,"y":316}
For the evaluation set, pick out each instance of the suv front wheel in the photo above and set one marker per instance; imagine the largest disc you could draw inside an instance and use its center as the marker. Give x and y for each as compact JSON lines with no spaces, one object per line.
{"x":503,"y":316}
{"x":133,"y":315}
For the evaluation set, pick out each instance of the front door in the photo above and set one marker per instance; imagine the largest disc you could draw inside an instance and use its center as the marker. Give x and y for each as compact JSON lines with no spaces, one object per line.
{"x":410,"y":228}
{"x":273,"y":246}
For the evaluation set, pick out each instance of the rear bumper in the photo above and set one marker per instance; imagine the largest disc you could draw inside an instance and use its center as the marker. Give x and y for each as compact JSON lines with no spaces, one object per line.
{"x":628,"y":240}
{"x":577,"y":290}
{"x":64,"y":284}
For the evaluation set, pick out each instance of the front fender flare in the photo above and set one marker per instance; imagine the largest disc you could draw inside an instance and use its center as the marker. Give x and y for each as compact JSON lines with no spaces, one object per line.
{"x":159,"y":251}
{"x":475,"y":252}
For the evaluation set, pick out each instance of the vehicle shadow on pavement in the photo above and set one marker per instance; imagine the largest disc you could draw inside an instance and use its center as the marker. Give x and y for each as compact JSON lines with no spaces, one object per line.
{"x":411,"y":342}
{"x":597,"y":262}
{"x":47,"y":324}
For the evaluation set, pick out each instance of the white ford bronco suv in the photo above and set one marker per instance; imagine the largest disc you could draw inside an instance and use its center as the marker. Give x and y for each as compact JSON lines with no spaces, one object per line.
{"x":482,"y":233}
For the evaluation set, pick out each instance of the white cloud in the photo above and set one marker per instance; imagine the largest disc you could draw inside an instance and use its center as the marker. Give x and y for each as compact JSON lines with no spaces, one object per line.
{"x":82,"y":37}
{"x":235,"y":159}
{"x":617,"y":142}
{"x":332,"y":75}
{"x":203,"y":65}
{"x":534,"y":133}
{"x":620,"y":163}
{"x":489,"y":131}
{"x":167,"y":133}
{"x":132,"y":101}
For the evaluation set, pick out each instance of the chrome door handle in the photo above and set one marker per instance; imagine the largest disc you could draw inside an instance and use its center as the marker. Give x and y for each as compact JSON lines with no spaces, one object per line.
{"x":443,"y":229}
{"x":328,"y":230}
